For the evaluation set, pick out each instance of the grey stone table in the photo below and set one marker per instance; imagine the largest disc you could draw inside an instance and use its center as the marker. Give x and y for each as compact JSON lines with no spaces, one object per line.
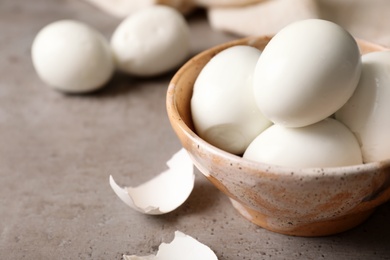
{"x":57,"y":152}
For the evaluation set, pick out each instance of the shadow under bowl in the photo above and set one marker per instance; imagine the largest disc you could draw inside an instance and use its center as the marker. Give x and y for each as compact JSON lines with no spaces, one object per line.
{"x":300,"y":202}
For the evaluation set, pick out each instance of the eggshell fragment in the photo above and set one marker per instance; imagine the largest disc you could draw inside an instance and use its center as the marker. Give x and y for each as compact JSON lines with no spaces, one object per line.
{"x":306,"y":72}
{"x":223,"y":107}
{"x":165,"y":192}
{"x":182,"y":247}
{"x":367,"y":112}
{"x":151,"y":41}
{"x":327,"y":143}
{"x":72,"y":57}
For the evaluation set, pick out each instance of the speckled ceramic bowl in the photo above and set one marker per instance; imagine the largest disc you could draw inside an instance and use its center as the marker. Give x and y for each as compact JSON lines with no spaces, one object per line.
{"x":301,"y":202}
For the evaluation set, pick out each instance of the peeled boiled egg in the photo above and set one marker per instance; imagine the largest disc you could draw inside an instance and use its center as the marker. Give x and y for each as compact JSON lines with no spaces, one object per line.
{"x":367,"y":111}
{"x":327,"y":143}
{"x":306,"y":72}
{"x":72,"y":57}
{"x":151,"y":41}
{"x":223,"y":107}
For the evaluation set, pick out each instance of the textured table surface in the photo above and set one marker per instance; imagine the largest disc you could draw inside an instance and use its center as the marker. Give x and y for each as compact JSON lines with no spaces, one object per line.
{"x":57,"y":152}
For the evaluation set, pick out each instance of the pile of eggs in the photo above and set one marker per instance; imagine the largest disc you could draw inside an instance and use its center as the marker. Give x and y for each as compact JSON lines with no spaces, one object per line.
{"x":72,"y":56}
{"x":309,"y":99}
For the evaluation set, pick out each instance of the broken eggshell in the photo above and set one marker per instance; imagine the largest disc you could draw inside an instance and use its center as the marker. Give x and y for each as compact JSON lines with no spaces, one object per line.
{"x":182,"y":247}
{"x":165,"y":192}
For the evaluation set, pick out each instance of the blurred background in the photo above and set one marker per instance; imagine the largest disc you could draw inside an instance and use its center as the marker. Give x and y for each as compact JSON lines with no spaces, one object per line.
{"x":364,"y":19}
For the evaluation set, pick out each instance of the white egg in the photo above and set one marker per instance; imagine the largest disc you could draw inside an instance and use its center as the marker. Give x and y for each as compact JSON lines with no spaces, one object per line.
{"x":306,"y":72}
{"x":367,"y":111}
{"x":151,"y":41}
{"x":327,"y":143}
{"x":223,"y":107}
{"x":72,"y":57}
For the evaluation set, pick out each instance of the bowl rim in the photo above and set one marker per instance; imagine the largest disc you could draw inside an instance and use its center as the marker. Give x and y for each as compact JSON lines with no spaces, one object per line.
{"x":176,"y":119}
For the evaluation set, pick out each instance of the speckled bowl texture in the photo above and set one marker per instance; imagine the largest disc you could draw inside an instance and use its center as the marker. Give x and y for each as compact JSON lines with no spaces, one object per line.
{"x":300,"y":202}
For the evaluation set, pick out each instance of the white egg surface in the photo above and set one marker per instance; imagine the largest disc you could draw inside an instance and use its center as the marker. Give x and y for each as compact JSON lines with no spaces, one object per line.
{"x":367,"y":113}
{"x":72,"y":57}
{"x":223,"y":107}
{"x":327,"y":143}
{"x":151,"y":41}
{"x":306,"y":72}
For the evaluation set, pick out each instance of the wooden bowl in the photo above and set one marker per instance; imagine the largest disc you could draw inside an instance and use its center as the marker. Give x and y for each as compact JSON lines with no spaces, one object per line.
{"x":301,"y":202}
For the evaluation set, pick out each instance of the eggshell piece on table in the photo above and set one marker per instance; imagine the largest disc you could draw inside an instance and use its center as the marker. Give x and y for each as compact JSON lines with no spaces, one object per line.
{"x":367,"y":112}
{"x":306,"y":72}
{"x":223,"y":107}
{"x":327,"y":143}
{"x":72,"y":57}
{"x":165,"y":192}
{"x":151,"y":41}
{"x":182,"y":247}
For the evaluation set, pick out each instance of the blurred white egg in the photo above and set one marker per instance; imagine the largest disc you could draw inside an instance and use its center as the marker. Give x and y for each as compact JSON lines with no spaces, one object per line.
{"x":327,"y":143}
{"x":151,"y":41}
{"x":367,"y":113}
{"x":306,"y":72}
{"x":223,"y":107}
{"x":72,"y":57}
